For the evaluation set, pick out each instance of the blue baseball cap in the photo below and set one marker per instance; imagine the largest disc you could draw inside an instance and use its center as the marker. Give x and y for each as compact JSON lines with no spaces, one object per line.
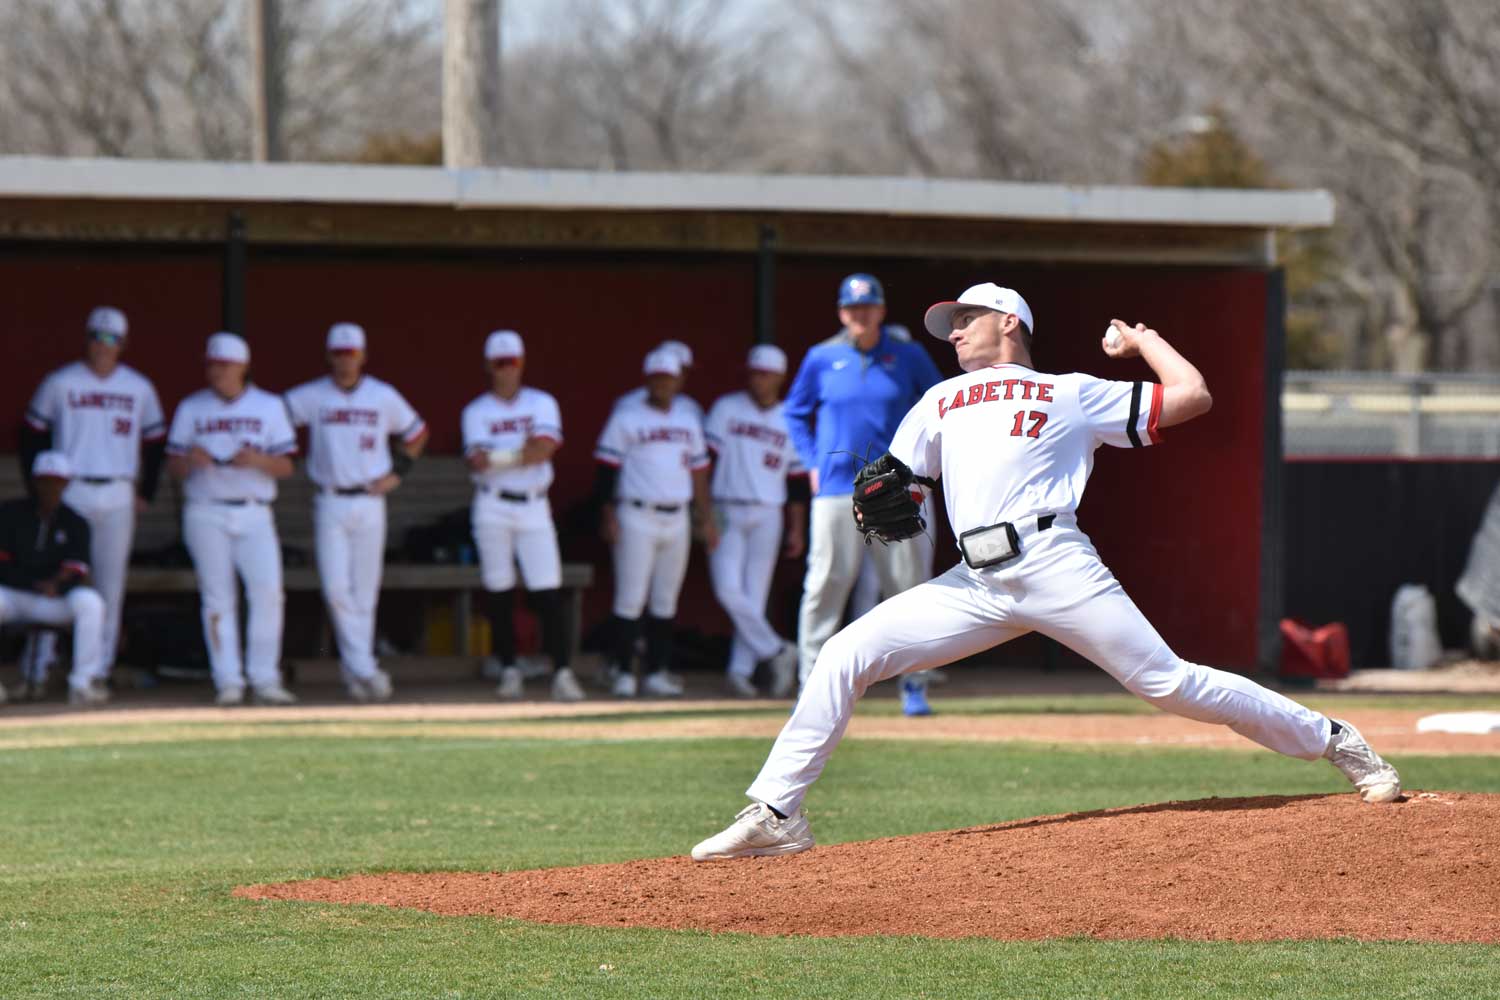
{"x":861,"y":290}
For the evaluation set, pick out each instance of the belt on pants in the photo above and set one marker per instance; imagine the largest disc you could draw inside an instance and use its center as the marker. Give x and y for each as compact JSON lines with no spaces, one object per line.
{"x":243,"y":502}
{"x":518,"y":498}
{"x":662,"y":508}
{"x":347,"y":491}
{"x":98,"y":480}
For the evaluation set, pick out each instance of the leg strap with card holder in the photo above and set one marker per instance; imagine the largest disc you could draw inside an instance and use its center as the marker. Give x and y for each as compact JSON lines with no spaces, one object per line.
{"x":996,"y":544}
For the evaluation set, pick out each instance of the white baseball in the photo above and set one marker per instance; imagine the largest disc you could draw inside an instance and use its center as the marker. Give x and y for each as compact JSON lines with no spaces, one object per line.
{"x":1112,"y":336}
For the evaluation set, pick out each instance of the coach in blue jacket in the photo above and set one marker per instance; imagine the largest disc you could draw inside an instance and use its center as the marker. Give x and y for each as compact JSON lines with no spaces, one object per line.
{"x":846,"y":402}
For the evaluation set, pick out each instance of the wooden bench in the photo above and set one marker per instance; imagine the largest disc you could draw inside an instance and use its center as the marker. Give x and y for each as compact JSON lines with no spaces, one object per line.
{"x":436,"y":486}
{"x":457,"y":580}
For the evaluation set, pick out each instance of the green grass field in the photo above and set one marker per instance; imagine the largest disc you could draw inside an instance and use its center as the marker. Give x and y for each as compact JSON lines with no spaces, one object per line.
{"x":119,"y":857}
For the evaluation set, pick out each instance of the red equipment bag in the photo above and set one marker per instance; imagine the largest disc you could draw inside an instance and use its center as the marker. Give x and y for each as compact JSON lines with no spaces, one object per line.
{"x":1308,"y":652}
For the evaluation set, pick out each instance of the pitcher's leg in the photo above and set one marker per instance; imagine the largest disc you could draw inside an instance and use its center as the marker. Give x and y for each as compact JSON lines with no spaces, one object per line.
{"x":927,"y":626}
{"x":1110,"y":631}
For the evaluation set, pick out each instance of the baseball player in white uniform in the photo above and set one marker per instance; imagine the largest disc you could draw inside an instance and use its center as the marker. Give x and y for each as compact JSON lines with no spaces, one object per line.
{"x":106,"y":417}
{"x":653,"y":463}
{"x":758,"y":481}
{"x":510,"y":434}
{"x":1013,"y":448}
{"x":228,"y":444}
{"x":351,"y":418}
{"x":684,"y":355}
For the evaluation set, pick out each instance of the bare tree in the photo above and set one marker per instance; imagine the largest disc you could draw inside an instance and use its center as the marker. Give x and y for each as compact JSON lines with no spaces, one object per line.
{"x":169,"y":78}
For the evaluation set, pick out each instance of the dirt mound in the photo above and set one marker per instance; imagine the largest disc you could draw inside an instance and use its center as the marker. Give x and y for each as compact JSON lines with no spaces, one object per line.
{"x":1252,"y":869}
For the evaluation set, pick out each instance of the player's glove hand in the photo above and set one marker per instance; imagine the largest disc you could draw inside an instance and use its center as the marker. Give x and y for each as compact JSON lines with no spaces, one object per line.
{"x":887,"y":503}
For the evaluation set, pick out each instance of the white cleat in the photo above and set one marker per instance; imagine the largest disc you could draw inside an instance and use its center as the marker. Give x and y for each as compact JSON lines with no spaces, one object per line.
{"x":660,"y":685}
{"x":512,"y":684}
{"x":226,"y":696}
{"x":273,"y":695}
{"x":378,"y":685}
{"x":565,"y":686}
{"x":784,"y":672}
{"x":741,"y":687}
{"x":88,"y":694}
{"x":755,"y":833}
{"x":1376,"y":780}
{"x":624,"y":685}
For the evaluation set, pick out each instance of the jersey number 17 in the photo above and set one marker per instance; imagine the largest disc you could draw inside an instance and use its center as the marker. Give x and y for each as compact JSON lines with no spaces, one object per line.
{"x":1038,"y":421}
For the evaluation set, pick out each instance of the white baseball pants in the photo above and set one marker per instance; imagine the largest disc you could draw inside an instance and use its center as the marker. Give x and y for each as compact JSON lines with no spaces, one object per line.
{"x":109,"y":508}
{"x":224,"y":540}
{"x":741,"y":568}
{"x":350,"y":539}
{"x":509,"y":532}
{"x":1058,"y":588}
{"x":650,"y":560}
{"x":82,"y":608}
{"x":835,"y":548}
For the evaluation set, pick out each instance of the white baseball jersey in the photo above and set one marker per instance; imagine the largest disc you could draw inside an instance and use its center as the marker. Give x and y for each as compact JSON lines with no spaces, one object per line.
{"x":98,"y":422}
{"x":348,"y":428}
{"x":222,"y":427}
{"x":638,"y":395}
{"x":657,"y":452}
{"x":1034,"y":433}
{"x":492,"y":423}
{"x":754,"y":449}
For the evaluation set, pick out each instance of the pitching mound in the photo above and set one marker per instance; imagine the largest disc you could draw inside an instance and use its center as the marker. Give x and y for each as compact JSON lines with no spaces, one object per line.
{"x":1422,"y":869}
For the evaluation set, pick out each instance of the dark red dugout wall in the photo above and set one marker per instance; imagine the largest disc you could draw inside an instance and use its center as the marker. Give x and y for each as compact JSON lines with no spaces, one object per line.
{"x":1180,"y":523}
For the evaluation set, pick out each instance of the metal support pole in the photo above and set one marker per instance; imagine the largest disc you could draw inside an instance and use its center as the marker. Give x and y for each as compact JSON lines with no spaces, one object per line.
{"x":233,"y":301}
{"x":765,"y":287}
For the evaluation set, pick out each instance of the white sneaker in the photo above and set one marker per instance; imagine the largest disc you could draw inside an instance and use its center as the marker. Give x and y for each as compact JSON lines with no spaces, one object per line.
{"x":512,"y":684}
{"x":784,"y":672}
{"x":741,"y":687}
{"x":565,"y":686}
{"x":226,"y":696}
{"x":88,"y":694}
{"x":757,"y":832}
{"x":378,"y":685}
{"x":1376,"y":780}
{"x":659,"y":685}
{"x":624,"y":685}
{"x":273,"y":695}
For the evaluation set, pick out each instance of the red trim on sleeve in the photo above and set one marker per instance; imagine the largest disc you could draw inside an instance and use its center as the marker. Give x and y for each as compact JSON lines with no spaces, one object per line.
{"x":74,"y":566}
{"x":799,"y":474}
{"x":1152,"y":430}
{"x":415,"y":433}
{"x":154,"y":436}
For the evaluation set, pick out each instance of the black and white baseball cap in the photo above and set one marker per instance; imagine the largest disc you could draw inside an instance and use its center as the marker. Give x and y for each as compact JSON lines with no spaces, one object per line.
{"x":939,"y":318}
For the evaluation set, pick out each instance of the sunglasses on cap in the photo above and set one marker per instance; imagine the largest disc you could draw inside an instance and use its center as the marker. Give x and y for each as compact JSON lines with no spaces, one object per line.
{"x":504,"y":362}
{"x":107,"y":337}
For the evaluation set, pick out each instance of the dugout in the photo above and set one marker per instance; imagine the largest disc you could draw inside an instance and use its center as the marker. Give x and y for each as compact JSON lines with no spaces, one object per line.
{"x":595,"y":268}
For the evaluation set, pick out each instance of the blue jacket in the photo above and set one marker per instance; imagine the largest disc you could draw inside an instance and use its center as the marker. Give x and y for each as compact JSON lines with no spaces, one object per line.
{"x":845,"y":402}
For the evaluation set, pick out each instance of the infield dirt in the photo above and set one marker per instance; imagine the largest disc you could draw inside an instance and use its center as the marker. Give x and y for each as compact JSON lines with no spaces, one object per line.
{"x":1248,"y":869}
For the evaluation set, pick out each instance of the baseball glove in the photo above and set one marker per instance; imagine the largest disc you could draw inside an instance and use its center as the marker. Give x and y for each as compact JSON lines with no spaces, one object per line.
{"x":887,"y":503}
